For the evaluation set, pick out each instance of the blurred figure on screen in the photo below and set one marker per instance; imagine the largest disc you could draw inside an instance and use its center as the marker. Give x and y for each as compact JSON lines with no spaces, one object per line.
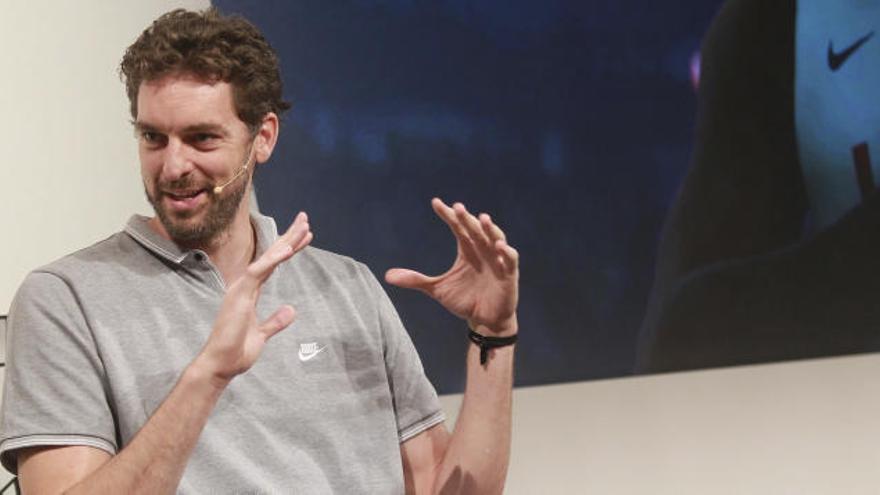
{"x":770,"y":251}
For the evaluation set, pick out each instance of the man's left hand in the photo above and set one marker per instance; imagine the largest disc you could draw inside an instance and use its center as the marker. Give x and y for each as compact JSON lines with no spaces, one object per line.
{"x":482,"y":284}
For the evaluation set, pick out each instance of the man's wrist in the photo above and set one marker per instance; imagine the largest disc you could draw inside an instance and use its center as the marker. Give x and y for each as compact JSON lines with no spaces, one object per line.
{"x":507,"y":328}
{"x":490,"y":343}
{"x":198,"y":373}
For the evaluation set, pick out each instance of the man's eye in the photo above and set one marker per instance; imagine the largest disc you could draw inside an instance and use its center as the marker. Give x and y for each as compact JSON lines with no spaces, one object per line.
{"x":151,"y":137}
{"x":204,"y":138}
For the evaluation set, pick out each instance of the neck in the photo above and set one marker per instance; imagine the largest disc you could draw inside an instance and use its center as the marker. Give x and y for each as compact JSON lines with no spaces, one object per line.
{"x":232,"y":250}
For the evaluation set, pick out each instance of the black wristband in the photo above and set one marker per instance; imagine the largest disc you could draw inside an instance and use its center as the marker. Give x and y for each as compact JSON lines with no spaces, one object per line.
{"x":485,"y":343}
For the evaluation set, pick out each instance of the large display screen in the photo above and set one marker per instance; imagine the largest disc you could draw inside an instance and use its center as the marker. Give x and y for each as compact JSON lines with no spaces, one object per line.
{"x":574,"y":123}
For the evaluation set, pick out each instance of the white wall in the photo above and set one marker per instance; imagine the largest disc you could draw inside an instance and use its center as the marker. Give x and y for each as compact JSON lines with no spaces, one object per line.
{"x":67,"y":154}
{"x":68,"y":158}
{"x":806,"y":428}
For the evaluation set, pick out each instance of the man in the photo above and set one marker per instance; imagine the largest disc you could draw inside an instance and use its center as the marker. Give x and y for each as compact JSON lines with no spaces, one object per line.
{"x":142,"y":364}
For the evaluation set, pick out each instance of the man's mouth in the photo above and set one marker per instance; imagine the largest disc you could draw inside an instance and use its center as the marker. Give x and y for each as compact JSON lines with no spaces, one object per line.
{"x":183,"y":195}
{"x":185,"y":199}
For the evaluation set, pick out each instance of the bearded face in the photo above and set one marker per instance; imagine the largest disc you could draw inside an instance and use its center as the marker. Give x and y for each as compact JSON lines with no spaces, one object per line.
{"x":191,"y":140}
{"x":199,"y":225}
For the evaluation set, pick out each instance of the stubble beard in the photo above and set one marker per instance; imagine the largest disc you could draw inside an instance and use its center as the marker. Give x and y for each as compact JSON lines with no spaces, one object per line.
{"x":216,"y":219}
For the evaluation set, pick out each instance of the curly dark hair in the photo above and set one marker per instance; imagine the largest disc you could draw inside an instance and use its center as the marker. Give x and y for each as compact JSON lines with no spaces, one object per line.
{"x":213,"y":47}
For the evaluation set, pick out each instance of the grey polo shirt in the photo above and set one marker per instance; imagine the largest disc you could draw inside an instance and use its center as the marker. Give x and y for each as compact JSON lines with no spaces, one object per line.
{"x":97,"y":339}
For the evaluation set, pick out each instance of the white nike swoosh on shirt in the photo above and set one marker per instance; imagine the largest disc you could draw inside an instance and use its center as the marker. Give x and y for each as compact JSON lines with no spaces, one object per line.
{"x":309,"y":355}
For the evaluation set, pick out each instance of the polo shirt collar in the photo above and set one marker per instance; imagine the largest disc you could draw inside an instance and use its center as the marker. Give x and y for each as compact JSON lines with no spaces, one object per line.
{"x":139,"y":229}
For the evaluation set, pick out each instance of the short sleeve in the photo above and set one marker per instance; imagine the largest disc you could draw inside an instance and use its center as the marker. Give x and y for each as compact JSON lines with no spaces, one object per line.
{"x":416,"y":405}
{"x":55,"y":392}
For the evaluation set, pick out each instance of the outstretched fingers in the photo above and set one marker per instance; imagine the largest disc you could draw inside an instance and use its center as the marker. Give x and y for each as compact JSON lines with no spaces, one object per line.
{"x":489,"y":241}
{"x":299,"y":234}
{"x":457,"y":219}
{"x":492,"y":231}
{"x":259,"y":270}
{"x":296,"y":238}
{"x":472,"y":226}
{"x":450,"y":218}
{"x":280,"y":319}
{"x":508,"y":256}
{"x":409,"y":279}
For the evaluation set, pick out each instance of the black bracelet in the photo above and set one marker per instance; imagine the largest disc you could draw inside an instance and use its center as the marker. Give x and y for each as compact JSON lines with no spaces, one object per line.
{"x":485,"y":343}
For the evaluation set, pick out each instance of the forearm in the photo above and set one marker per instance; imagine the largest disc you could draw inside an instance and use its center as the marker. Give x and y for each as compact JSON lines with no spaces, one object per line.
{"x":478,"y":452}
{"x":482,"y":288}
{"x":153,"y":462}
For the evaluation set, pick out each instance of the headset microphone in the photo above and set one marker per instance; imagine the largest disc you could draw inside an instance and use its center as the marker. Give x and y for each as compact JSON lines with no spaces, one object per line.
{"x":219,"y":189}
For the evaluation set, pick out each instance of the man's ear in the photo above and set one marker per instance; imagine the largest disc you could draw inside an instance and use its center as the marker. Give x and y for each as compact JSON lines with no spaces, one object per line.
{"x":267,"y":136}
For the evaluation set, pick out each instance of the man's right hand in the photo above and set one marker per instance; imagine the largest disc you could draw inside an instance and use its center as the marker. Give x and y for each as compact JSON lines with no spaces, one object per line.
{"x":154,"y":460}
{"x":238,"y":337}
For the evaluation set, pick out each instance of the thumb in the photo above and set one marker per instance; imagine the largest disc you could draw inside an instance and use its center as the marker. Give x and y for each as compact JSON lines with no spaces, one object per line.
{"x":280,"y":319}
{"x":408,"y":279}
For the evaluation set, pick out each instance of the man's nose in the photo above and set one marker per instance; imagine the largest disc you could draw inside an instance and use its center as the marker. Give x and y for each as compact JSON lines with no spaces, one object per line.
{"x":176,"y":161}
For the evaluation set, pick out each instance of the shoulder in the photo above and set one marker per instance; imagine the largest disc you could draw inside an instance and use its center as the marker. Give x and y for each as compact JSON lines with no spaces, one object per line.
{"x":57,"y":283}
{"x":93,"y":260}
{"x":320,"y":264}
{"x":114,"y":248}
